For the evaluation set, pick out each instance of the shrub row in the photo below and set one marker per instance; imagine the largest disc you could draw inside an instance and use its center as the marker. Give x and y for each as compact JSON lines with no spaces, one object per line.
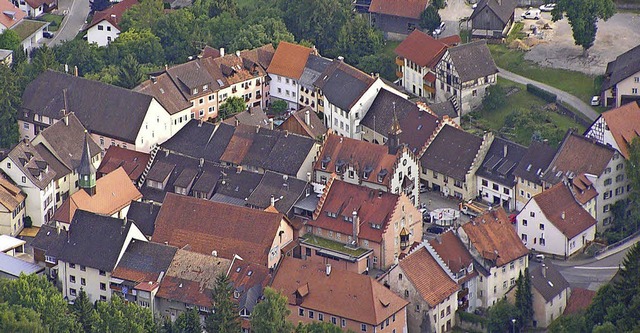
{"x":547,"y":96}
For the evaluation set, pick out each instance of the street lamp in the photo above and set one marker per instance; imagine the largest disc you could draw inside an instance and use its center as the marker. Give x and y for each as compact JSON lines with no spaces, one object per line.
{"x":513,"y":321}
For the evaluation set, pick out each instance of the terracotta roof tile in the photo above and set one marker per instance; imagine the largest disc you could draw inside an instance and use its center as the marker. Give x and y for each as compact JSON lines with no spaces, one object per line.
{"x":624,"y":124}
{"x":133,"y":162}
{"x":10,"y":15}
{"x":557,"y":202}
{"x":493,"y":236}
{"x":450,"y":248}
{"x":579,"y":301}
{"x":289,"y":60}
{"x":341,"y":293}
{"x":402,"y":8}
{"x":422,"y":49}
{"x":429,"y":279}
{"x":314,"y":129}
{"x":166,"y":92}
{"x":113,"y":14}
{"x":582,"y":189}
{"x":10,"y":195}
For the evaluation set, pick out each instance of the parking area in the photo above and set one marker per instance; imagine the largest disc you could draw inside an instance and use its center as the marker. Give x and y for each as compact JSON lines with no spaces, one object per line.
{"x":434,"y":201}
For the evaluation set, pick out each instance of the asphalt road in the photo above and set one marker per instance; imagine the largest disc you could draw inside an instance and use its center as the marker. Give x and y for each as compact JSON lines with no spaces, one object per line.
{"x":563,"y":96}
{"x":592,"y":275}
{"x":75,"y":12}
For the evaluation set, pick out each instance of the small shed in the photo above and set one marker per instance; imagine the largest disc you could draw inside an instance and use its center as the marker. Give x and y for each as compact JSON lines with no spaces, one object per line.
{"x":12,"y":267}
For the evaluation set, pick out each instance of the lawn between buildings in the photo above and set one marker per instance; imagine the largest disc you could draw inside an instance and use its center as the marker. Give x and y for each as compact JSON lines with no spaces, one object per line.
{"x":53,"y":18}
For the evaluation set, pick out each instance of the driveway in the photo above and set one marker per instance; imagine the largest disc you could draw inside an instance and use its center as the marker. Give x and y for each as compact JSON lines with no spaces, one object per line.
{"x":451,"y":15}
{"x":76,"y":12}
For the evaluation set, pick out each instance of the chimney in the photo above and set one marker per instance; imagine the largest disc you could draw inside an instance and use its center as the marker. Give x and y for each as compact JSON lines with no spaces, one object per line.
{"x":271,"y":123}
{"x":308,"y":177}
{"x":154,"y":79}
{"x":545,"y":142}
{"x":237,"y":121}
{"x":307,"y":118}
{"x":273,"y":201}
{"x":504,"y":151}
{"x":75,"y":70}
{"x":150,"y":208}
{"x":328,"y":269}
{"x":238,"y":54}
{"x":356,"y":228}
{"x":200,"y":122}
{"x":341,"y":58}
{"x":257,"y":128}
{"x":222,"y":51}
{"x":214,"y":253}
{"x":544,"y":270}
{"x":286,"y":133}
{"x":563,"y":215}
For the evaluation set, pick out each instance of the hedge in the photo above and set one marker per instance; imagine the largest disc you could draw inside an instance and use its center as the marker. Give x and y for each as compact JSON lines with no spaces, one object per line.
{"x":547,"y":96}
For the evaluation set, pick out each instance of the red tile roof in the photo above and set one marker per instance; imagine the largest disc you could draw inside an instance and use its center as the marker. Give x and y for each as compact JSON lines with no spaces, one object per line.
{"x":450,"y":248}
{"x":429,"y":279}
{"x":561,"y":209}
{"x":579,"y":300}
{"x":583,"y":189}
{"x":494,"y":238}
{"x":422,"y":49}
{"x":342,"y":198}
{"x":38,"y":3}
{"x":133,"y":162}
{"x":208,"y":226}
{"x":7,"y":20}
{"x":113,"y":14}
{"x":341,"y":293}
{"x":624,"y":124}
{"x":402,"y":8}
{"x":289,"y":60}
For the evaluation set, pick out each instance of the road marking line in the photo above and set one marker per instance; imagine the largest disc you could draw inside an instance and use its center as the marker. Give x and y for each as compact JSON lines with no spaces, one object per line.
{"x":596,"y":268}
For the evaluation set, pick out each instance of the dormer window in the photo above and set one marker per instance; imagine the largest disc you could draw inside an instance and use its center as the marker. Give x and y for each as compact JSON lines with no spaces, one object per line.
{"x":340,"y":166}
{"x":325,"y":161}
{"x":205,"y":87}
{"x":195,"y":91}
{"x":367,"y":172}
{"x":236,"y":294}
{"x":381,"y":175}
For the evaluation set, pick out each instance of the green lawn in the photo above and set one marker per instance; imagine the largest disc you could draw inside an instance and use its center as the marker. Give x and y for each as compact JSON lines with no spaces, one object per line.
{"x":53,"y":18}
{"x":333,"y":245}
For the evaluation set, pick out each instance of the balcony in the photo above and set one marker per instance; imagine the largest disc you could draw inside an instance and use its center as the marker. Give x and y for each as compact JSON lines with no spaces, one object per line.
{"x":399,"y":61}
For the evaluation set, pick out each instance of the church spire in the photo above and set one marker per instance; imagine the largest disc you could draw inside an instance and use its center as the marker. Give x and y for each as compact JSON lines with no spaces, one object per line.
{"x":86,"y":170}
{"x":394,"y":133}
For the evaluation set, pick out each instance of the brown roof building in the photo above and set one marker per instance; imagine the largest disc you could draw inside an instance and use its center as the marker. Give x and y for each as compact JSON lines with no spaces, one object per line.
{"x":318,"y":292}
{"x":424,"y":50}
{"x":304,"y":122}
{"x":112,"y":14}
{"x":289,"y":60}
{"x":579,"y":300}
{"x":620,"y":124}
{"x":12,"y":204}
{"x":133,"y":162}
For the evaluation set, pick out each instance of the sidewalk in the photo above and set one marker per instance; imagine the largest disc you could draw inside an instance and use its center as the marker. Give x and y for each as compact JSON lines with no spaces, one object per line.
{"x":610,"y":252}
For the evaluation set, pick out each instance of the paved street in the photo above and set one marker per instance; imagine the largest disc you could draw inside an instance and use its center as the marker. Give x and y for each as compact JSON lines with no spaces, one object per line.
{"x":592,"y":275}
{"x":451,"y":15}
{"x":76,"y":12}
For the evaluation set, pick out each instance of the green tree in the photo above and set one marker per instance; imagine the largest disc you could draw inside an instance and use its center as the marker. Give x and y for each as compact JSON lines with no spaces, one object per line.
{"x":43,"y":58}
{"x":524,"y":299}
{"x":15,"y":318}
{"x":35,"y":292}
{"x":118,"y":316}
{"x":231,"y":106}
{"x":430,"y":19}
{"x":438,"y":3}
{"x":142,"y":44}
{"x":76,"y":52}
{"x":9,"y":40}
{"x":213,"y":8}
{"x":568,"y":324}
{"x":607,"y":327}
{"x":583,"y":18}
{"x":381,"y":62}
{"x":225,"y":318}
{"x":108,"y":75}
{"x":357,"y":39}
{"x":10,"y":101}
{"x":318,"y":21}
{"x":188,"y":322}
{"x":175,"y":30}
{"x":98,"y":5}
{"x":494,"y":98}
{"x":278,"y":107}
{"x":142,"y":16}
{"x":84,"y":311}
{"x":270,"y":315}
{"x":500,"y":316}
{"x":129,"y":72}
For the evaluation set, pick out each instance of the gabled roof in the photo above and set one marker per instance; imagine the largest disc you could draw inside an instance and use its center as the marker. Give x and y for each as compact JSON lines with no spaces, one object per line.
{"x":114,"y":192}
{"x":343,"y":85}
{"x":288,"y":190}
{"x":417,"y":125}
{"x":452,"y":152}
{"x":341,"y":293}
{"x":208,"y":226}
{"x":314,"y":129}
{"x":342,"y":199}
{"x":163,"y":89}
{"x":500,"y":162}
{"x":201,"y":140}
{"x":133,"y":162}
{"x":113,"y":14}
{"x":249,"y":280}
{"x":579,"y":301}
{"x":583,"y":189}
{"x":535,"y":161}
{"x":421,"y":49}
{"x":314,"y":67}
{"x":624,"y":124}
{"x":144,"y":261}
{"x":577,"y":155}
{"x":453,"y":253}
{"x":10,"y":15}
{"x":563,"y":211}
{"x":624,"y":66}
{"x":239,"y":185}
{"x":54,"y":164}
{"x":401,"y":8}
{"x":102,"y":108}
{"x":90,"y":234}
{"x":492,"y":235}
{"x":10,"y":195}
{"x":429,"y":279}
{"x":446,"y":108}
{"x":547,"y":281}
{"x":32,"y":165}
{"x":472,"y":60}
{"x":233,"y":68}
{"x":144,"y":215}
{"x":363,"y":156}
{"x":289,"y":60}
{"x":254,"y":116}
{"x":503,"y":9}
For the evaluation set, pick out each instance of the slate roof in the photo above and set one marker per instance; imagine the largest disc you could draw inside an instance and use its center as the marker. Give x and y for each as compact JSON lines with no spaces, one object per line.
{"x":133,"y":162}
{"x":144,"y":215}
{"x":534,"y":162}
{"x":314,"y":67}
{"x":579,"y":301}
{"x":624,"y":66}
{"x":288,"y":192}
{"x":450,"y":248}
{"x":343,"y":85}
{"x":494,"y":238}
{"x":32,"y":165}
{"x":53,"y":162}
{"x":503,"y":9}
{"x":558,"y":201}
{"x":577,"y":155}
{"x":10,"y":195}
{"x":11,"y":15}
{"x":314,"y":129}
{"x":445,"y":109}
{"x":401,"y":8}
{"x":417,"y":125}
{"x":166,"y":92}
{"x":473,"y":60}
{"x":144,"y":261}
{"x":289,"y":60}
{"x":102,"y":108}
{"x":90,"y":234}
{"x":429,"y":279}
{"x":421,"y":49}
{"x":238,"y":184}
{"x":190,"y":75}
{"x":624,"y":124}
{"x":452,"y":152}
{"x":500,"y":162}
{"x":361,"y":155}
{"x":112,"y":14}
{"x":207,"y":226}
{"x":254,"y":116}
{"x":201,"y":140}
{"x":549,"y":285}
{"x":48,"y":239}
{"x":342,"y":293}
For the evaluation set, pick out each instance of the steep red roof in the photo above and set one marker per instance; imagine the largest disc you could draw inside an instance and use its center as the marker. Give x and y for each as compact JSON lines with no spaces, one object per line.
{"x":10,"y":15}
{"x":579,"y":300}
{"x":289,"y":60}
{"x":402,"y":8}
{"x":113,"y":14}
{"x":133,"y":162}
{"x":624,"y":124}
{"x":561,"y":209}
{"x":429,"y":279}
{"x":421,"y":49}
{"x":38,"y":3}
{"x":450,"y":248}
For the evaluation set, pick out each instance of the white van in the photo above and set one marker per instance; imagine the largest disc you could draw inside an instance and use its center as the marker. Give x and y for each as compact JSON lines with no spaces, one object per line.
{"x":531,"y":14}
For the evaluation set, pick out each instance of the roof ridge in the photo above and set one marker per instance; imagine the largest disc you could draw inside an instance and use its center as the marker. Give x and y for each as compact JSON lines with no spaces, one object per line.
{"x":439,"y":260}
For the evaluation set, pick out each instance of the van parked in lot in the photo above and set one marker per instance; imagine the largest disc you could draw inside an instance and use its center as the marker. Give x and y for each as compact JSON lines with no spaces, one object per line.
{"x":531,"y":14}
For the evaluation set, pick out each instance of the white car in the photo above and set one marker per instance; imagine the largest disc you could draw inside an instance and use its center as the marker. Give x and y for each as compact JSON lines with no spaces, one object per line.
{"x":531,"y":14}
{"x":440,"y":29}
{"x":474,"y":6}
{"x":547,"y":7}
{"x":595,"y":101}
